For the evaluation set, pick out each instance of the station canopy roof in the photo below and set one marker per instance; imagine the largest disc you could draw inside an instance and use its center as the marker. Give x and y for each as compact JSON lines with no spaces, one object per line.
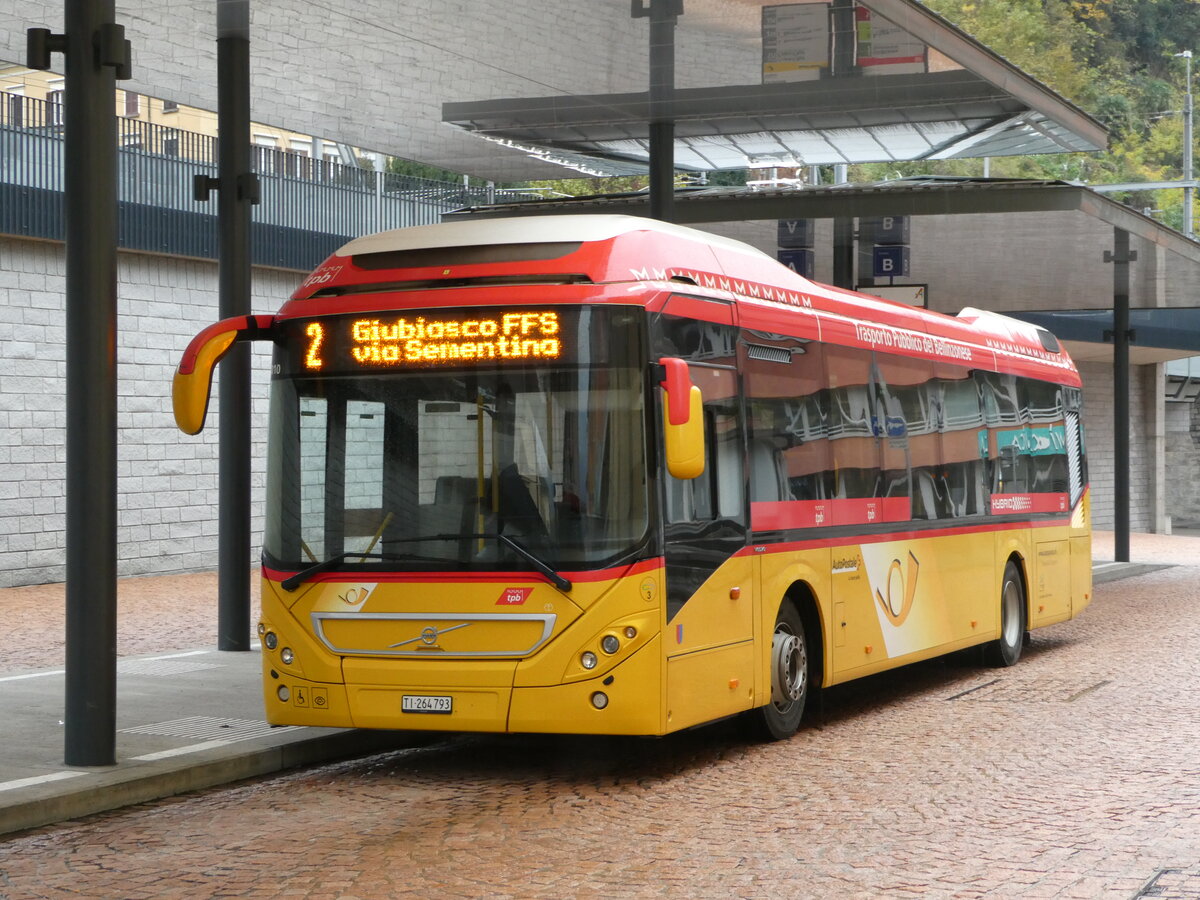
{"x":758,"y":83}
{"x":1159,"y":334}
{"x":901,"y":84}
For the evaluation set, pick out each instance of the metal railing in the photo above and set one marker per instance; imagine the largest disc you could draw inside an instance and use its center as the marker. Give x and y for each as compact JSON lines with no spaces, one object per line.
{"x":308,"y":207}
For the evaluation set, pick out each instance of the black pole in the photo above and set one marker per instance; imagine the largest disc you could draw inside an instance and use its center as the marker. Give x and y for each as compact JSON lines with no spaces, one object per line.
{"x":235,"y":194}
{"x":1121,"y":257}
{"x":843,"y":252}
{"x":91,"y":526}
{"x":663,"y":14}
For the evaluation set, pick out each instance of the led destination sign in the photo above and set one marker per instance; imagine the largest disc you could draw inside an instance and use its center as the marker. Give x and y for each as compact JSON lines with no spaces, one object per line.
{"x":418,"y":341}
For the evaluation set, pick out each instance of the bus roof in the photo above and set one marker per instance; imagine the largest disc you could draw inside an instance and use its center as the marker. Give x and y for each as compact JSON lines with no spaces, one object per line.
{"x":529,"y":230}
{"x":601,"y":250}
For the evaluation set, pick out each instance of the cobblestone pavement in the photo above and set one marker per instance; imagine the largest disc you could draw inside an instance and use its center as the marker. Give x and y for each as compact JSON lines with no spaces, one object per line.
{"x":155,"y":614}
{"x":1075,"y":774}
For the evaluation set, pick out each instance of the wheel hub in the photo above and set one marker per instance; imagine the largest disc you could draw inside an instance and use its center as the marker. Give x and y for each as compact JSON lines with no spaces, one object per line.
{"x":789,"y":669}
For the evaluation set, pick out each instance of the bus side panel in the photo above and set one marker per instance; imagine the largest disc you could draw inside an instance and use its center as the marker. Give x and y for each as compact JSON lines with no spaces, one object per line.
{"x":1081,"y":553}
{"x":709,"y":684}
{"x":721,"y":612}
{"x":781,"y":570}
{"x":1081,"y":573}
{"x":910,"y":599}
{"x":1050,"y":592}
{"x":1016,"y":543}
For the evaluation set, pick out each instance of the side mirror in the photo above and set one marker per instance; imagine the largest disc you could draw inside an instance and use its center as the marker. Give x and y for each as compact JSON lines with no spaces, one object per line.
{"x":193,"y":379}
{"x":683,"y":420}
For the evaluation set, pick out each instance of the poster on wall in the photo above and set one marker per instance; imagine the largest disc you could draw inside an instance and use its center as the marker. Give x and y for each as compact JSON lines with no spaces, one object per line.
{"x":885,"y":48}
{"x":795,"y":42}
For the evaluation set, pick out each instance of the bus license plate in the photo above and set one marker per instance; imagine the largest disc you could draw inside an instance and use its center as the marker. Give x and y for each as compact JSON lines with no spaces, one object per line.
{"x":421,"y":703}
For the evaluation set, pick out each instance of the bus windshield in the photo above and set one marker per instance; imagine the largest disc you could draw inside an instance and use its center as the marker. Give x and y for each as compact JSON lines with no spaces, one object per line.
{"x":444,"y":469}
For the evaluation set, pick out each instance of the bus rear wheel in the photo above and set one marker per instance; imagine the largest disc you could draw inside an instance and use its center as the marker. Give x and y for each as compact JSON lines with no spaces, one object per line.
{"x":780,"y":718}
{"x":1006,"y":649}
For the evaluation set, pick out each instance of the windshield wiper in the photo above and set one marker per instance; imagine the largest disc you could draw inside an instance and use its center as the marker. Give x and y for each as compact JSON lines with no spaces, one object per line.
{"x":325,"y":565}
{"x":291,"y":583}
{"x":557,"y":580}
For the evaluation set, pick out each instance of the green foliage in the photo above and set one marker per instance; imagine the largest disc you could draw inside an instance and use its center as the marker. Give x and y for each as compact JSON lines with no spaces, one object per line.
{"x":399,"y":166}
{"x":1114,"y":58}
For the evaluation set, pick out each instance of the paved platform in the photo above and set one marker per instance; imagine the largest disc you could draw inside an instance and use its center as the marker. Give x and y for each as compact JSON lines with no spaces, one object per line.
{"x":191,"y":719}
{"x":185,"y":720}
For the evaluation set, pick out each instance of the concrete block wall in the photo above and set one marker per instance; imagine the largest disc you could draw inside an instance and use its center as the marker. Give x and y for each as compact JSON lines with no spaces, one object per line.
{"x":1098,"y":438}
{"x":167,"y":481}
{"x":1183,"y":463}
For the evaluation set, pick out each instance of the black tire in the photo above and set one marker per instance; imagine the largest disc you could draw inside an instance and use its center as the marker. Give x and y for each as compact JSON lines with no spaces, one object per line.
{"x":1006,"y":649}
{"x":790,"y":678}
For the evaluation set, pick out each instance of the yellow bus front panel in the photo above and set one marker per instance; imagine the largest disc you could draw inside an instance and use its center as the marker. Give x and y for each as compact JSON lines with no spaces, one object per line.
{"x":625,"y":700}
{"x":446,"y":656}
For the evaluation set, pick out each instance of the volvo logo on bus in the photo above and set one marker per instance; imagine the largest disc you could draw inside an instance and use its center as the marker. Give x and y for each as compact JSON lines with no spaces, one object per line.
{"x":429,"y":637}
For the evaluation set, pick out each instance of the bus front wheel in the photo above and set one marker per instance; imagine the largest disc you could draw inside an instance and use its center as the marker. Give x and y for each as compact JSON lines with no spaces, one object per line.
{"x":1006,"y":649}
{"x":780,"y":718}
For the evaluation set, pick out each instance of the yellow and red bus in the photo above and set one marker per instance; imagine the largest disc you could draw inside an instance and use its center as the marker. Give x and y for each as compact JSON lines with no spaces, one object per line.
{"x":601,"y":474}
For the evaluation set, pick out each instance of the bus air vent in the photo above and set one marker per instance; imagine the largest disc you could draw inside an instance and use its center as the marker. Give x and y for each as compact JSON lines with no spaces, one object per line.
{"x":481,"y":254}
{"x":428,"y":284}
{"x":1049,"y":341}
{"x":770,"y":354}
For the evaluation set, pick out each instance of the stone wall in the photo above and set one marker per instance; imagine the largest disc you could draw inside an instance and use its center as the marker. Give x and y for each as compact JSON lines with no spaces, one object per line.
{"x":167,"y":506}
{"x":1183,"y":464}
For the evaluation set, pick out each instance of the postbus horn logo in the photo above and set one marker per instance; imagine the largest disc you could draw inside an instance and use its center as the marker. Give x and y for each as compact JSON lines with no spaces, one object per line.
{"x":897,"y":608}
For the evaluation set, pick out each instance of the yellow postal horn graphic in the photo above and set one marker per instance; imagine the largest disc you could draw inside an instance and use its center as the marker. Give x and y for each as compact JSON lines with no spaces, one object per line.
{"x":897,"y":612}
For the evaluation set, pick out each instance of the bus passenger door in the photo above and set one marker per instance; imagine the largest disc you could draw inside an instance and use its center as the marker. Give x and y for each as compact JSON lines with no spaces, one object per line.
{"x":709,"y":588}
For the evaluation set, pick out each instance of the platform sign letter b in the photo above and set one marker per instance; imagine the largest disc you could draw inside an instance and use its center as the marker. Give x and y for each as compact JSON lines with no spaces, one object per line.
{"x":890,"y":262}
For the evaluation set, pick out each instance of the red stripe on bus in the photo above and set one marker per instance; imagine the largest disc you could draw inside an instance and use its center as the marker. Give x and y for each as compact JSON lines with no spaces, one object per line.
{"x":586,"y":577}
{"x":923,"y":533}
{"x":779,"y":515}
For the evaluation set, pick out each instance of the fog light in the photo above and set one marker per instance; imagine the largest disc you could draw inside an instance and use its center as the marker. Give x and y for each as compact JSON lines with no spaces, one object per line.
{"x":270,"y":640}
{"x":283,"y":693}
{"x":610,"y":643}
{"x":599,"y":699}
{"x":588,"y":659}
{"x":287,"y":656}
{"x":630,"y":632}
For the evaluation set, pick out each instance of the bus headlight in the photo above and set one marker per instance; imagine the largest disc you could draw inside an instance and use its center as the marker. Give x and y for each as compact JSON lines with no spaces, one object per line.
{"x":610,"y":644}
{"x":287,"y":656}
{"x":270,"y":641}
{"x":588,"y":659}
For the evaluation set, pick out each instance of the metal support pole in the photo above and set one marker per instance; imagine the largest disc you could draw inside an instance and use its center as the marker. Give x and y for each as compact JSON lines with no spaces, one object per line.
{"x":238,"y":189}
{"x":843,"y":253}
{"x":1121,"y":257}
{"x":1189,"y":191}
{"x":97,"y":53}
{"x":843,"y":239}
{"x":663,"y":15}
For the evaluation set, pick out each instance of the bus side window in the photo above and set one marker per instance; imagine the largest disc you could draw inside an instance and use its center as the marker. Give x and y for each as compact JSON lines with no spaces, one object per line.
{"x":1048,"y":445}
{"x":854,"y":426}
{"x":963,"y":462}
{"x":718,"y":491}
